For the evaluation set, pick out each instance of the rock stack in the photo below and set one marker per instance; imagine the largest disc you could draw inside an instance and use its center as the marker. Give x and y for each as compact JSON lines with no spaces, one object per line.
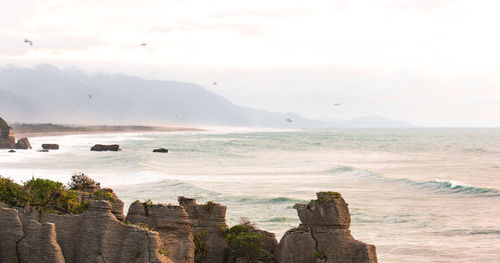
{"x":324,"y":235}
{"x":7,"y":140}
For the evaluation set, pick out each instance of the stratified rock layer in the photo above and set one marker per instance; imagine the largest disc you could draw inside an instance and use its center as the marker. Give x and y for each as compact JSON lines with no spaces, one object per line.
{"x":94,"y":236}
{"x":173,"y":225}
{"x":208,"y":218}
{"x":324,"y":235}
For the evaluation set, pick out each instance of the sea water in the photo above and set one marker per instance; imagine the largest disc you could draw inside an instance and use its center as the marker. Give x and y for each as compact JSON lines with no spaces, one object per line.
{"x":419,"y":195}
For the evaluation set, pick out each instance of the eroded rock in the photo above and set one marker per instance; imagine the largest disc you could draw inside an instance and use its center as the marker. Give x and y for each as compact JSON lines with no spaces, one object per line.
{"x":208,"y":219}
{"x":102,"y":147}
{"x":173,"y":225}
{"x":23,"y":143}
{"x":324,"y":235}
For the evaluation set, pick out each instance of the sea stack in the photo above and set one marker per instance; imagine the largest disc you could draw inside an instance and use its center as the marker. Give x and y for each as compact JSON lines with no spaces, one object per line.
{"x":323,"y":235}
{"x":7,"y":140}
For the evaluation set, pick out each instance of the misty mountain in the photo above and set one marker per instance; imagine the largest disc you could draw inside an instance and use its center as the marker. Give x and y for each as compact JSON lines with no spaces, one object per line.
{"x":47,"y":94}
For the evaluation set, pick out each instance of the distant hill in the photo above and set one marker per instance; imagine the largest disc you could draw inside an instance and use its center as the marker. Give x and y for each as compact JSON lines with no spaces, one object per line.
{"x":47,"y":94}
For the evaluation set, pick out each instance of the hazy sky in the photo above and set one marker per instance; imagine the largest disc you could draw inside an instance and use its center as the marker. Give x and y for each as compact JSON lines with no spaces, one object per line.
{"x":428,"y":62}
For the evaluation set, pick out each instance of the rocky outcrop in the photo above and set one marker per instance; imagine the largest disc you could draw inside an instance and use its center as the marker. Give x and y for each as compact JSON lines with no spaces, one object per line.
{"x":160,"y":150}
{"x":94,"y":236}
{"x":39,"y":244}
{"x":23,"y":143}
{"x":173,"y":225}
{"x":102,"y":147}
{"x":7,"y":140}
{"x":323,"y":235}
{"x":208,"y":219}
{"x":187,"y":233}
{"x":50,"y":146}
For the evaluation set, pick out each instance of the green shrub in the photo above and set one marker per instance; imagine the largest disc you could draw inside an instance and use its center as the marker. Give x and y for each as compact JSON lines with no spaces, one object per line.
{"x":326,"y":197}
{"x":243,"y":241}
{"x":41,"y":194}
{"x":209,"y":205}
{"x":201,"y":249}
{"x":80,"y":181}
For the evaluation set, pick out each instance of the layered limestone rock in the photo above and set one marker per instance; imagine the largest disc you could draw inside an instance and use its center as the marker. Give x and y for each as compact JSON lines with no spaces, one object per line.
{"x":323,"y":235}
{"x":93,"y":236}
{"x":173,"y":225}
{"x":7,"y":140}
{"x":208,"y":220}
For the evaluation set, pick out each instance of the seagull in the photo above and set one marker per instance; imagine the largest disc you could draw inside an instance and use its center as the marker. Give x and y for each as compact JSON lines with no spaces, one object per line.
{"x":143,"y":44}
{"x":178,"y":115}
{"x":336,"y":104}
{"x":90,"y":96}
{"x":214,"y":83}
{"x":28,"y":41}
{"x":289,"y":120}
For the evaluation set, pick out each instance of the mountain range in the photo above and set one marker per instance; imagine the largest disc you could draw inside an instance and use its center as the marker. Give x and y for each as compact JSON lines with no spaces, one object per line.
{"x":48,"y":94}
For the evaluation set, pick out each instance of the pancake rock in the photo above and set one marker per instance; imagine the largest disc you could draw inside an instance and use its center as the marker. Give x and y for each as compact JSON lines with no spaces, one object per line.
{"x":7,"y":140}
{"x":102,"y":147}
{"x":93,"y":236}
{"x":171,"y":222}
{"x":207,"y":220}
{"x":50,"y":146}
{"x":323,"y":235}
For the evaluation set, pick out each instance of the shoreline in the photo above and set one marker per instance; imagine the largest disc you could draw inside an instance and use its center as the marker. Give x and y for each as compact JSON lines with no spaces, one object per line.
{"x":100,"y":130}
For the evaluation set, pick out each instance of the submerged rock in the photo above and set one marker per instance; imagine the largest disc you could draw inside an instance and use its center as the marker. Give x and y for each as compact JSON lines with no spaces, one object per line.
{"x":12,"y":151}
{"x":160,"y":150}
{"x":323,"y":235}
{"x":50,"y":146}
{"x":102,"y":147}
{"x":43,"y":151}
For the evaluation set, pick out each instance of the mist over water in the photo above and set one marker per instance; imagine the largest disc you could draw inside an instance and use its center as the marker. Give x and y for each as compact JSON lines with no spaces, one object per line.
{"x":419,"y":195}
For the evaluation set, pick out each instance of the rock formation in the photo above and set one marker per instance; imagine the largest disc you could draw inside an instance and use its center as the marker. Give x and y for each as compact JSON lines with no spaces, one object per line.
{"x":160,"y":150}
{"x":50,"y":146}
{"x":323,"y":235}
{"x":23,"y":143}
{"x":188,"y":233}
{"x":102,"y":147}
{"x":94,"y":236}
{"x":208,"y":219}
{"x":171,"y":222}
{"x":7,"y":140}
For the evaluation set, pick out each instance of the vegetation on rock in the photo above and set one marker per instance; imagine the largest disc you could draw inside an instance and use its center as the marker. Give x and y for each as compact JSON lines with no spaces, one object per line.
{"x":42,"y":194}
{"x":326,"y":197}
{"x":201,"y":249}
{"x":244,"y":241}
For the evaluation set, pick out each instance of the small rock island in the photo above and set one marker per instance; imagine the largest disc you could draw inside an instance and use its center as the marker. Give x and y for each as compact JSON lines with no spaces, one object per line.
{"x":46,"y":221}
{"x":7,"y":139}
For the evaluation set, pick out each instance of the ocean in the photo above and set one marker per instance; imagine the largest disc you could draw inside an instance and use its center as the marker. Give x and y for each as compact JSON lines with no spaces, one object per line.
{"x":418,"y":195}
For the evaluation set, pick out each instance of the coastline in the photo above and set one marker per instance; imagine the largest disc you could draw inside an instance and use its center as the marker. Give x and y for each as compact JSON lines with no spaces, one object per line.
{"x":30,"y":133}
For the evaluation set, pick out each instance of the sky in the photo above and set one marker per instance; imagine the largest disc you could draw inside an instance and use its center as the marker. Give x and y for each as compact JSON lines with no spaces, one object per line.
{"x":427,"y":62}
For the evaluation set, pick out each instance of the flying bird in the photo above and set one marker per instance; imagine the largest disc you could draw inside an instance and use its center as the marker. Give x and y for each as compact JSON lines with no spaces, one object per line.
{"x":143,"y":44}
{"x":178,"y":115}
{"x":90,"y":96}
{"x":336,"y":104}
{"x":214,"y":83}
{"x":28,"y":41}
{"x":289,"y":120}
